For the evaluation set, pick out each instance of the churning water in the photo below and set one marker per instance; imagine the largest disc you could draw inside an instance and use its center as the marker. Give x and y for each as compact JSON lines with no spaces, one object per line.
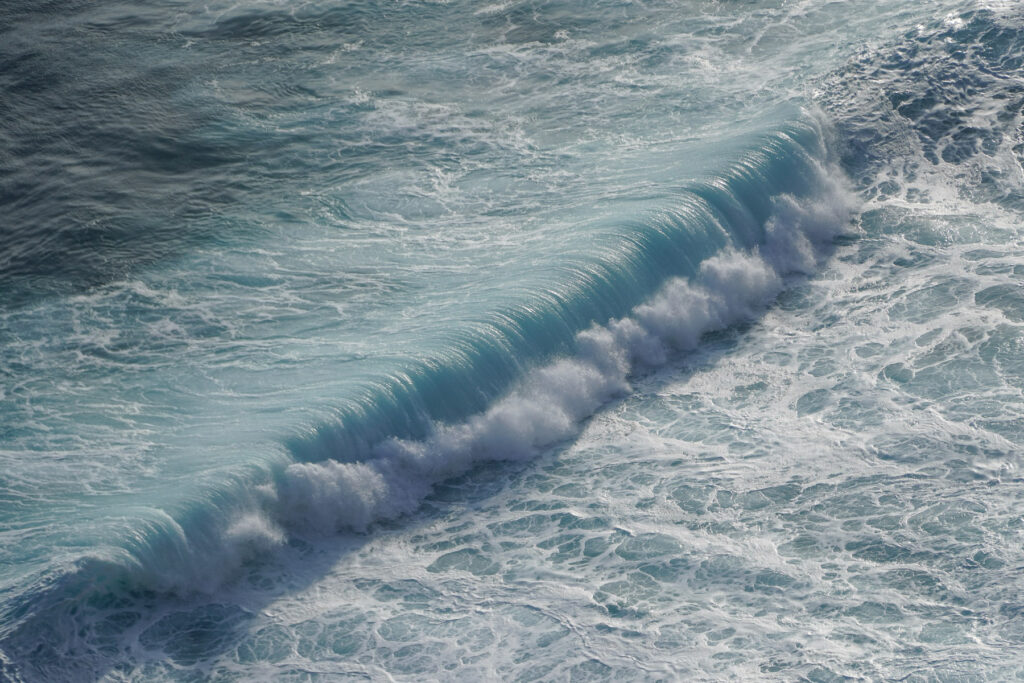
{"x":538,"y":340}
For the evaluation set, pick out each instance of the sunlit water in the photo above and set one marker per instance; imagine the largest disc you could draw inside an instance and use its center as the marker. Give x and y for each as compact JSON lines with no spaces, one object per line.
{"x":525,"y":341}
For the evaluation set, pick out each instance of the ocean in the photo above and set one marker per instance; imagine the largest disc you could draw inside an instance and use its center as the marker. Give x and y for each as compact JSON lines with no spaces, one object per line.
{"x":529,"y":341}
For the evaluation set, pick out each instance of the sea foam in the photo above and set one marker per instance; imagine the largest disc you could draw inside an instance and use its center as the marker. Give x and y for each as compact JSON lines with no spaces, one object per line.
{"x":550,"y":402}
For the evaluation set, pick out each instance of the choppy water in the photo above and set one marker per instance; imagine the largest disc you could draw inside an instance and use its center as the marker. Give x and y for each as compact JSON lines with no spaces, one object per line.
{"x":524,"y":341}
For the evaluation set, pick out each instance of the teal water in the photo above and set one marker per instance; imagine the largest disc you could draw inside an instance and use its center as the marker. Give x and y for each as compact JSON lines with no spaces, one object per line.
{"x":525,"y":341}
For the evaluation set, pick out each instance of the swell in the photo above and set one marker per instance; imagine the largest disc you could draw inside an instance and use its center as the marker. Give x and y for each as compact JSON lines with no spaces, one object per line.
{"x":110,"y":164}
{"x":514,"y":384}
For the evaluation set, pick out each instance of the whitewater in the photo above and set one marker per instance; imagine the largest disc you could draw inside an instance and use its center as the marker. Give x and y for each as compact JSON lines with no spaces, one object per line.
{"x":519,"y":341}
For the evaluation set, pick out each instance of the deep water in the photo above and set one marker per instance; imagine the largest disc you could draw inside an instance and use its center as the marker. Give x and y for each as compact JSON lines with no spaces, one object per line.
{"x":525,"y":341}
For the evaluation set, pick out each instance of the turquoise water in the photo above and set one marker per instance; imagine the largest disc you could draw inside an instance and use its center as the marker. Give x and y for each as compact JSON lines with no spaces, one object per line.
{"x":525,"y":341}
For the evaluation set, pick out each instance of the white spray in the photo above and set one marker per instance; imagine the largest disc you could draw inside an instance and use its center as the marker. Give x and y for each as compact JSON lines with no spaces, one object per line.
{"x":550,"y":402}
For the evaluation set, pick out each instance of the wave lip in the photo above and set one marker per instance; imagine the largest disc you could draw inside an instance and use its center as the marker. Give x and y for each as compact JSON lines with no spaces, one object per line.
{"x":764,"y":226}
{"x":715,"y":258}
{"x":551,"y":400}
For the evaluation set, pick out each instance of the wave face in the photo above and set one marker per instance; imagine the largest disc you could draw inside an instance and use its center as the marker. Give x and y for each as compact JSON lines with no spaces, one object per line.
{"x":585,"y":343}
{"x":547,"y":405}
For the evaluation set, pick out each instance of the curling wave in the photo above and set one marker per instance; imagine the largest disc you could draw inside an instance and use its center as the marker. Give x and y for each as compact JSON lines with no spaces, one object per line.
{"x":522,"y":384}
{"x":552,"y":400}
{"x":771,"y":215}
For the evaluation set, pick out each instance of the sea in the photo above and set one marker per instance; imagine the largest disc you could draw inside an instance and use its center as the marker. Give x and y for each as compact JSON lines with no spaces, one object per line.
{"x":534,"y":340}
